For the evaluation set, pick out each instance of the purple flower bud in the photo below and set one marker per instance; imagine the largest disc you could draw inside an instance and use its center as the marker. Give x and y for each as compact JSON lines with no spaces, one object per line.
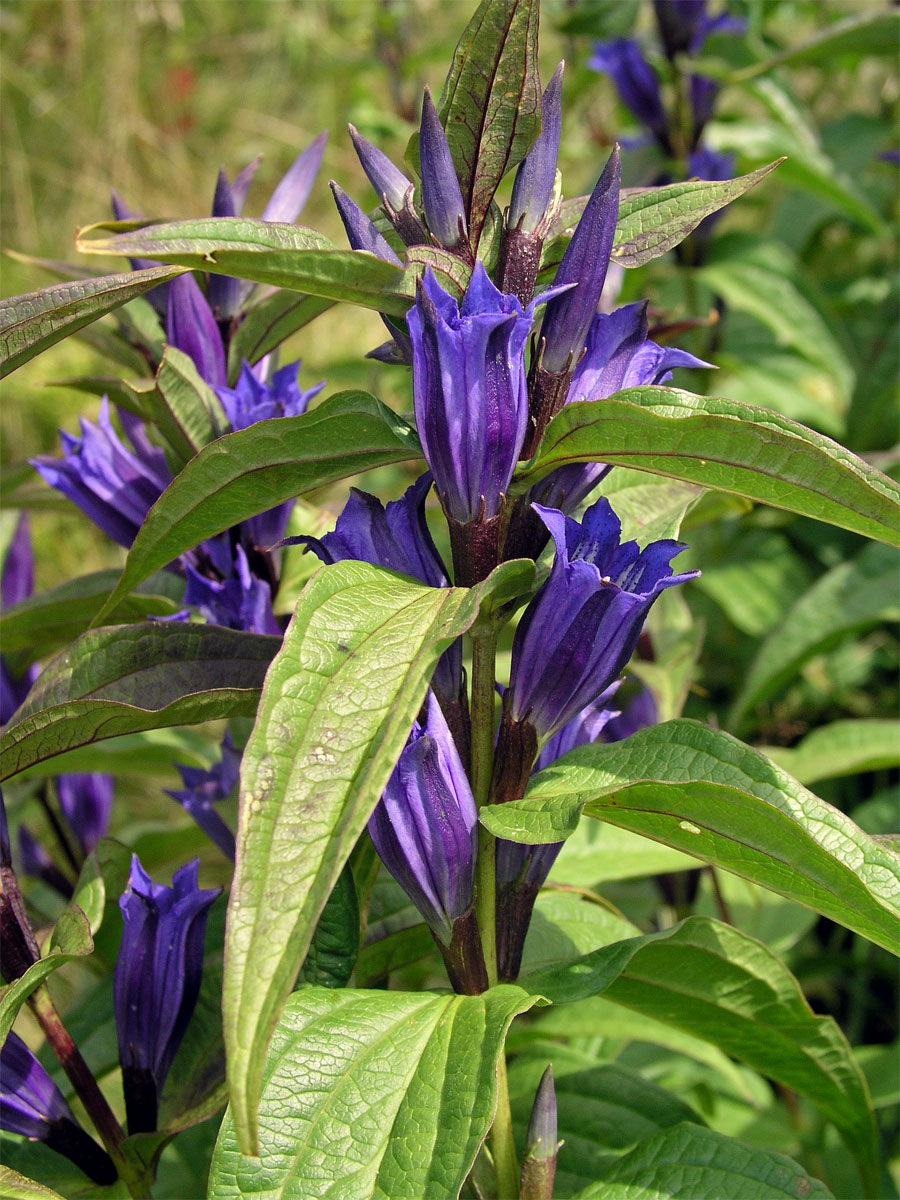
{"x":361,"y":233}
{"x":541,"y":1145}
{"x":240,"y":185}
{"x":203,"y":788}
{"x":157,"y":981}
{"x":113,"y":486}
{"x":240,"y":601}
{"x":224,"y":292}
{"x":638,"y":714}
{"x":293,"y":190}
{"x":86,"y":803}
{"x":536,"y":176}
{"x":469,"y":391}
{"x":569,"y":315}
{"x":32,"y":1106}
{"x":17,"y":577}
{"x":36,"y":862}
{"x":582,"y":626}
{"x":425,"y":825}
{"x":157,"y":296}
{"x":191,"y":327}
{"x":636,"y":83}
{"x":388,"y":180}
{"x":678,"y":21}
{"x":441,"y":195}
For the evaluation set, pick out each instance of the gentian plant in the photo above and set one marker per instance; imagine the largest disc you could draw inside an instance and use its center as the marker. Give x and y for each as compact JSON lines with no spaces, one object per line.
{"x":432,"y":703}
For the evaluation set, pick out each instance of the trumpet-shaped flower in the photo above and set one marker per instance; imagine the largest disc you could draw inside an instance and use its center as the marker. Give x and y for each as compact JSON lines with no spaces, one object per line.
{"x":582,"y":626}
{"x":157,"y":981}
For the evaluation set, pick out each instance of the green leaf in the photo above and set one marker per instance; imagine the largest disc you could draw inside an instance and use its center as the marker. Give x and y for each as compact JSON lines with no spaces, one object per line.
{"x":764,"y":280}
{"x":31,"y":323}
{"x":332,"y":952}
{"x":599,"y":853}
{"x":721,"y":444}
{"x":491,"y":103}
{"x":186,"y":410}
{"x":127,"y":678}
{"x":756,"y":579}
{"x":337,"y":706}
{"x":397,"y":1108}
{"x":715,"y":982}
{"x":390,"y":953}
{"x":53,"y":618}
{"x":248,"y":472}
{"x":103,"y":876}
{"x":565,"y":926}
{"x":653,"y":220}
{"x":70,"y":938}
{"x":850,"y":597}
{"x":873,"y":32}
{"x":17,"y":1187}
{"x":688,"y":1162}
{"x":601,"y":1111}
{"x":285,"y":256}
{"x":650,"y":507}
{"x":703,"y":792}
{"x":267,"y":324}
{"x":841,"y":748}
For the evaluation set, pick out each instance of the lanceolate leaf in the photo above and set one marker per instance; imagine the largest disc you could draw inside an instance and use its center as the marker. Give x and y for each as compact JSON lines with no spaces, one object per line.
{"x":53,"y":618}
{"x":396,"y":1108}
{"x":18,"y":1187}
{"x":841,"y":748}
{"x":248,"y":472}
{"x":187,"y":411}
{"x":653,"y":220}
{"x":722,"y":444}
{"x":707,"y":794}
{"x":31,"y":323}
{"x":491,"y":103}
{"x":126,"y":678}
{"x":268,"y":323}
{"x":688,"y":1162}
{"x":286,"y":256}
{"x":338,"y":704}
{"x":850,"y":597}
{"x":711,"y":980}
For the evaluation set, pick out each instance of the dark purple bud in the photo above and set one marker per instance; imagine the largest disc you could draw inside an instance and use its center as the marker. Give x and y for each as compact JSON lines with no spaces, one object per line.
{"x":441,"y":195}
{"x":14,"y":689}
{"x":17,"y":578}
{"x":112,"y":485}
{"x":293,"y":191}
{"x":5,"y":848}
{"x":239,"y":601}
{"x":86,"y":803}
{"x":569,"y":315}
{"x":157,"y":981}
{"x":678,"y":21}
{"x":425,"y":827}
{"x":32,"y":1106}
{"x":223,"y":291}
{"x":636,"y":82}
{"x":202,"y":789}
{"x":388,"y":180}
{"x":536,"y":177}
{"x":581,"y":628}
{"x":541,"y":1145}
{"x":36,"y":862}
{"x":361,"y":233}
{"x":191,"y":327}
{"x":469,"y":391}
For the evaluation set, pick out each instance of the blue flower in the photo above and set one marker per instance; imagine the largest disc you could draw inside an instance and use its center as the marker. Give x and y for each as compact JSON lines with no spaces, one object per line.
{"x":32,"y":1106}
{"x":636,"y":83}
{"x":156,"y":981}
{"x":581,"y":628}
{"x":202,"y":789}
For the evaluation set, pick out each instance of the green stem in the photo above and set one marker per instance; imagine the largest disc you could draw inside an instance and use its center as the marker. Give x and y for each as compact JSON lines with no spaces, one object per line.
{"x":502,"y":1145}
{"x":484,"y":650}
{"x":483,"y":654}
